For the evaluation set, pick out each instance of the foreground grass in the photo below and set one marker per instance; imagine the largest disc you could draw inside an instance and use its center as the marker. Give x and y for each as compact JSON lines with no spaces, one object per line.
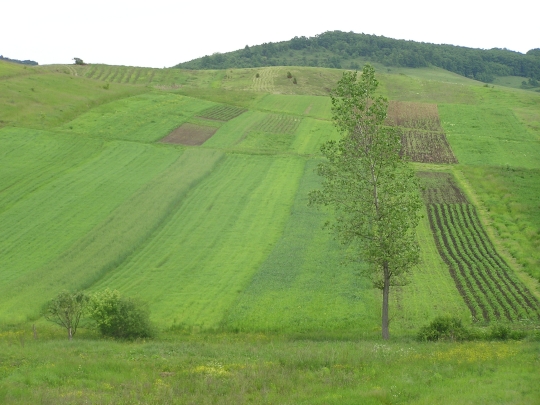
{"x":266,"y":369}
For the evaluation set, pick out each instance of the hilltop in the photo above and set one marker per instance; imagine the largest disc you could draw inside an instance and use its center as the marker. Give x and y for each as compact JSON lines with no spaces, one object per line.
{"x":348,"y":50}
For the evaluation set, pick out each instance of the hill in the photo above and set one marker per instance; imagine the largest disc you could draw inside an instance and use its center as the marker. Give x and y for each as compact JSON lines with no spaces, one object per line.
{"x":348,"y":50}
{"x":188,"y":189}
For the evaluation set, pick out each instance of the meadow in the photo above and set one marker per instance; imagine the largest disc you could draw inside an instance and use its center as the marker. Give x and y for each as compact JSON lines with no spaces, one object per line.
{"x":247,"y":291}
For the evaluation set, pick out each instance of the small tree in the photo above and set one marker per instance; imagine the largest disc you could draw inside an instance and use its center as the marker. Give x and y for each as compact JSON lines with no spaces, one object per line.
{"x":373,"y":191}
{"x":289,"y":75}
{"x":79,"y":61}
{"x":66,"y":310}
{"x":118,"y":317}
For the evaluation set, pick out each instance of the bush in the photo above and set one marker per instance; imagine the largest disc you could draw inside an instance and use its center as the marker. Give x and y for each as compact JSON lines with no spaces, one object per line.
{"x":444,"y":328}
{"x":504,"y":332}
{"x":289,"y":75}
{"x":120,"y":318}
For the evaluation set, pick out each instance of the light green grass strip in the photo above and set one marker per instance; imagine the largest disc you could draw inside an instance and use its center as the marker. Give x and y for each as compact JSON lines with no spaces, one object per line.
{"x":195,"y":267}
{"x":432,"y":292}
{"x":309,"y":106}
{"x":48,"y":220}
{"x":489,"y":136}
{"x":144,"y":118}
{"x":32,"y":158}
{"x":301,"y":286}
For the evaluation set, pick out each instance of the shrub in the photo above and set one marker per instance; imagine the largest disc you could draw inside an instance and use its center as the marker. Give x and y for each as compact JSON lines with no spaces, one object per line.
{"x":294,"y":80}
{"x":120,"y":318}
{"x":504,"y":332}
{"x":66,"y":310}
{"x":444,"y":328}
{"x":289,"y":75}
{"x":257,"y":75}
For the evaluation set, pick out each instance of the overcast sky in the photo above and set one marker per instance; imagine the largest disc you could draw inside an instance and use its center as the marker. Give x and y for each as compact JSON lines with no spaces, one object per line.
{"x":162,"y":33}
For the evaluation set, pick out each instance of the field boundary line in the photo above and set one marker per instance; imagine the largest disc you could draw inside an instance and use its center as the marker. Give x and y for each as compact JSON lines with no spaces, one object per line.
{"x":487,"y":222}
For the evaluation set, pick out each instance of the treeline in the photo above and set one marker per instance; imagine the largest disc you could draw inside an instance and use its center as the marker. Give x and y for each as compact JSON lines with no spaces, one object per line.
{"x":337,"y":49}
{"x":22,"y":62}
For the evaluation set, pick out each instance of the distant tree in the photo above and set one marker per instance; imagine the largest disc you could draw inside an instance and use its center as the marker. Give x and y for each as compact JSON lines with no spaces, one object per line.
{"x":66,"y":310}
{"x":79,"y":61}
{"x":373,"y":191}
{"x":294,"y":80}
{"x":289,"y":75}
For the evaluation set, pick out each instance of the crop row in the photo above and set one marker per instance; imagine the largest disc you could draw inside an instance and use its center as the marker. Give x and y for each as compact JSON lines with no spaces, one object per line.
{"x":426,"y":146}
{"x":222,"y":112}
{"x":440,"y":188}
{"x":277,"y":124}
{"x":486,"y":283}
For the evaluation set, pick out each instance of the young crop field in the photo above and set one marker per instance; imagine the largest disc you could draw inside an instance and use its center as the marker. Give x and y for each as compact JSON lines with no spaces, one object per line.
{"x":487,"y":284}
{"x":422,"y":137}
{"x":426,"y":147}
{"x":221,"y":112}
{"x":143,"y":118}
{"x":197,"y":264}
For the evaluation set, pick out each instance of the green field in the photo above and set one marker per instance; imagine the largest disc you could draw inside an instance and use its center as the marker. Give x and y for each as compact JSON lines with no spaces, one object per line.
{"x":220,"y":241}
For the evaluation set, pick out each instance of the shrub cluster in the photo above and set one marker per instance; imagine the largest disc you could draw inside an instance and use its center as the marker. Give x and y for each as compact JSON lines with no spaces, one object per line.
{"x":448,"y":328}
{"x":113,"y":315}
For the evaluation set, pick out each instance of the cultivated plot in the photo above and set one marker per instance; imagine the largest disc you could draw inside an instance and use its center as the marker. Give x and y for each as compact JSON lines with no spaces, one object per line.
{"x":487,"y":284}
{"x":190,"y":134}
{"x":196,"y":265}
{"x":422,"y":137}
{"x":45,"y":230}
{"x":145,"y":118}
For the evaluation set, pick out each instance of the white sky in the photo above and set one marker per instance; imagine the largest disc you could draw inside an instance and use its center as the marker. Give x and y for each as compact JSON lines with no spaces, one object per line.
{"x":162,"y":33}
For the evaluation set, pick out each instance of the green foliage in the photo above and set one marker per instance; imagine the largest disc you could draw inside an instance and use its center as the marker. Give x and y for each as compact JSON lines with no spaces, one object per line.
{"x":79,"y":61}
{"x":371,"y":188}
{"x":444,"y":328}
{"x":333,"y":48}
{"x":66,"y":310}
{"x":119,"y":317}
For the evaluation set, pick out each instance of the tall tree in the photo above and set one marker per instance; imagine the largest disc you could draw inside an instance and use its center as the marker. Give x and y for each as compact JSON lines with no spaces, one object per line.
{"x":66,"y":310}
{"x":371,"y":188}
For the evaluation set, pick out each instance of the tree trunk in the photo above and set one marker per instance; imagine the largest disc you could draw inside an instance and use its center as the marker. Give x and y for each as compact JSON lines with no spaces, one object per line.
{"x":69,"y":334}
{"x":386,"y":293}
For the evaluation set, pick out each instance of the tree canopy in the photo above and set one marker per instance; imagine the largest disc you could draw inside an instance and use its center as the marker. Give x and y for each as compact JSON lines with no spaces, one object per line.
{"x":371,"y":188}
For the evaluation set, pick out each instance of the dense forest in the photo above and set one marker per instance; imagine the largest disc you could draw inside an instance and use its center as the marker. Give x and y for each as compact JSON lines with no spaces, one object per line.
{"x":339,"y":49}
{"x":22,"y":62}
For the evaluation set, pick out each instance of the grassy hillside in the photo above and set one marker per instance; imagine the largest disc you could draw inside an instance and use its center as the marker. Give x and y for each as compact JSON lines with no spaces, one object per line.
{"x":188,"y":189}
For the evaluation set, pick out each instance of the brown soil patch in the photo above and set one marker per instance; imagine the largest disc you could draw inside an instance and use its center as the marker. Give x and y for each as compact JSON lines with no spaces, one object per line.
{"x":190,"y":134}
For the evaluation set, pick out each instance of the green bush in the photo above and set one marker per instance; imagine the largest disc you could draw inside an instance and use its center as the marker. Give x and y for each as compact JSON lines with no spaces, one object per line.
{"x":504,"y":332}
{"x":120,"y":318}
{"x":444,"y":328}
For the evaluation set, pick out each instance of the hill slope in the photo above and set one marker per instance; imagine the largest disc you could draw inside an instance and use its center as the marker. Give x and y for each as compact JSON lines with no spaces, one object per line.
{"x":188,"y":189}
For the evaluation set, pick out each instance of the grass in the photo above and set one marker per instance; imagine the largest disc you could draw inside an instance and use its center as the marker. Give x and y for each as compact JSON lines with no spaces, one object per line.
{"x":192,"y":270}
{"x":45,"y":100}
{"x":59,"y":210}
{"x":143,"y":118}
{"x":510,"y":196}
{"x":263,"y":369}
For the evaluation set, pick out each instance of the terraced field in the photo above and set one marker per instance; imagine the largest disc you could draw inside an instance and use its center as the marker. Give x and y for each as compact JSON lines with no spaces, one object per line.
{"x":487,"y":284}
{"x":213,"y":231}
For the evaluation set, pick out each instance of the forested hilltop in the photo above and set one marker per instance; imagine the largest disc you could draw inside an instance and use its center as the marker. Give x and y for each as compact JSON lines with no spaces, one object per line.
{"x":337,"y":49}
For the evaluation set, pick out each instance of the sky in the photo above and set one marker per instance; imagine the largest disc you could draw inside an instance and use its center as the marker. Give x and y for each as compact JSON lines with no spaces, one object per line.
{"x":163,"y":33}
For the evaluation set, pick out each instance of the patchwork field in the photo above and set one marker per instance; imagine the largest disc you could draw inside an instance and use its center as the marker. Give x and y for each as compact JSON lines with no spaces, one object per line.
{"x":188,"y":190}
